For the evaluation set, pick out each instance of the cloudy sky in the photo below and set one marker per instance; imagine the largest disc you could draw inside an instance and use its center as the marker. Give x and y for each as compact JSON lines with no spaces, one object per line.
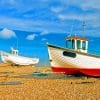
{"x":59,"y":16}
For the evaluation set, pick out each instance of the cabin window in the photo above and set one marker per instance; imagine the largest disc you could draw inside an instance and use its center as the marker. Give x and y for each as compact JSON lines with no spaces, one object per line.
{"x":84,"y":45}
{"x":71,"y":44}
{"x":78,"y":44}
{"x":69,"y":54}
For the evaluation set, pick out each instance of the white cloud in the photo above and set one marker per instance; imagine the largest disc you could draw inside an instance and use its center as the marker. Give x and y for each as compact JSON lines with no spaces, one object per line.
{"x":44,"y":32}
{"x":56,"y":9}
{"x":26,"y":25}
{"x":95,"y":4}
{"x":7,"y":34}
{"x":8,"y":2}
{"x":77,"y":17}
{"x":62,"y":11}
{"x":44,"y":39}
{"x":84,"y":4}
{"x":31,"y":37}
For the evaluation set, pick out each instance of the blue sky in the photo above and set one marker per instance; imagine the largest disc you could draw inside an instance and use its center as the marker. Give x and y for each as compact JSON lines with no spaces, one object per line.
{"x":60,"y":16}
{"x":32,"y":23}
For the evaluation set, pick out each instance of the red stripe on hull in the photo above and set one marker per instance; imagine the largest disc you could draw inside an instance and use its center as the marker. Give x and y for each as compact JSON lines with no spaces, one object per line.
{"x":90,"y":72}
{"x":77,"y":71}
{"x":69,"y":71}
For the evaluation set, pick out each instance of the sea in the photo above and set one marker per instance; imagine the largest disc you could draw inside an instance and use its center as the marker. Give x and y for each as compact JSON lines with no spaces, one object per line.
{"x":37,"y":47}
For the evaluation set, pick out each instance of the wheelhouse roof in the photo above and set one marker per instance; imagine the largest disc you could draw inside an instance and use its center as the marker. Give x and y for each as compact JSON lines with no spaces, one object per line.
{"x":76,"y":38}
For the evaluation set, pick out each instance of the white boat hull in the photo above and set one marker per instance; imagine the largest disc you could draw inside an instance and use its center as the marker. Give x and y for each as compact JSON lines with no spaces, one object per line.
{"x":71,"y":62}
{"x":18,"y":60}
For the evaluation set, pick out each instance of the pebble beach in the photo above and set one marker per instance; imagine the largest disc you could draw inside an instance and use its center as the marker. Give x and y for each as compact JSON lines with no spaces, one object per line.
{"x":17,"y":83}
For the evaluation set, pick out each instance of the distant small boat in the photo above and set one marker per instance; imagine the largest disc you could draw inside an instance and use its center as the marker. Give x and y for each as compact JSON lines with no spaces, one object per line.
{"x":14,"y":58}
{"x":74,"y":59}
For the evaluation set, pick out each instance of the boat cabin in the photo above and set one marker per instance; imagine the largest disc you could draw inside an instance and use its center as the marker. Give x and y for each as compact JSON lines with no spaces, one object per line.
{"x":14,"y":52}
{"x":77,"y":43}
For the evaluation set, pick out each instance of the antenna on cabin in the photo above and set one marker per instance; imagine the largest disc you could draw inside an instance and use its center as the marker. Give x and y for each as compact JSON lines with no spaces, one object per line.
{"x":75,"y":34}
{"x":17,"y":43}
{"x":84,"y":24}
{"x":72,"y":28}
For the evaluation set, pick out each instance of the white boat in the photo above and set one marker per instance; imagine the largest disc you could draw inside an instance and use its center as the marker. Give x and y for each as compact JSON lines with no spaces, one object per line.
{"x":14,"y":58}
{"x":75,"y":58}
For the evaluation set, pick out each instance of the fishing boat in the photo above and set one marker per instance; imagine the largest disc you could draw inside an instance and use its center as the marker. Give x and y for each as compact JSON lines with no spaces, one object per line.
{"x":74,"y":59}
{"x":14,"y":58}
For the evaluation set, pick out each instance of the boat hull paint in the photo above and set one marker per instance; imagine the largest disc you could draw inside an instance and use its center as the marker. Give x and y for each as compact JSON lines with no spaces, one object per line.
{"x":69,"y":71}
{"x":18,"y":60}
{"x":91,"y":72}
{"x":71,"y":62}
{"x":76,"y":71}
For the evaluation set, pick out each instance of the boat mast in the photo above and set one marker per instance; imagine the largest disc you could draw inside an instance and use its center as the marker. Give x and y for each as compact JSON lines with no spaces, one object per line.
{"x":17,"y":43}
{"x":84,"y":24}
